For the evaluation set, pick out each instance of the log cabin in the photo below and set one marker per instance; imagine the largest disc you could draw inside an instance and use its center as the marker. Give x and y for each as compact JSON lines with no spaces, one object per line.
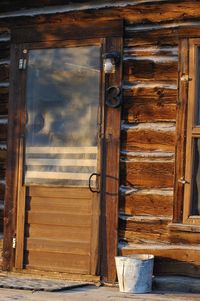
{"x":118,"y":153}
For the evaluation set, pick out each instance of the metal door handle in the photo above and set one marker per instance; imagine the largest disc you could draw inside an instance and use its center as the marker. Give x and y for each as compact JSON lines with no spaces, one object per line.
{"x":90,"y":179}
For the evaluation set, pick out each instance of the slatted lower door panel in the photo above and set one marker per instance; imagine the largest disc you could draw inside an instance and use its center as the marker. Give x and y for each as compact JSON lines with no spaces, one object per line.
{"x":58,"y":229}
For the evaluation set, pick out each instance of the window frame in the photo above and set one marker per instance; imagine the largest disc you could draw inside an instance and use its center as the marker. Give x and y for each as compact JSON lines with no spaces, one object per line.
{"x":185,"y":132}
{"x":193,"y":131}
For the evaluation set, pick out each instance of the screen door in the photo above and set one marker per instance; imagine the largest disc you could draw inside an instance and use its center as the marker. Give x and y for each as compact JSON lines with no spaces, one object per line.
{"x":61,"y":166}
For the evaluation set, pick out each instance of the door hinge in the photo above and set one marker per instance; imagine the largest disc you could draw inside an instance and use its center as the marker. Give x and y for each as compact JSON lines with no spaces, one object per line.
{"x":14,"y":242}
{"x":22,"y":64}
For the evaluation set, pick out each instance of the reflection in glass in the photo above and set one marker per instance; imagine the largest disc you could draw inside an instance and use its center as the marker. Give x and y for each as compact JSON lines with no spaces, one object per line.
{"x":195,"y":209}
{"x":62,"y":98}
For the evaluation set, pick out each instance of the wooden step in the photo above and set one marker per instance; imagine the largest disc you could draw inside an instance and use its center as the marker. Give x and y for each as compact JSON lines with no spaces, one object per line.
{"x":177,"y":284}
{"x":171,"y":259}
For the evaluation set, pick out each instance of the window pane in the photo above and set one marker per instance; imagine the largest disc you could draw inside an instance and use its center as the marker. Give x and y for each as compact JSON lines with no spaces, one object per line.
{"x":62,"y":98}
{"x":195,"y":208}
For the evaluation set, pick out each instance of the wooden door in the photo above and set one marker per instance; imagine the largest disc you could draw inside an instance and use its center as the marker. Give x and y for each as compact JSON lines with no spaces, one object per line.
{"x":59,"y":158}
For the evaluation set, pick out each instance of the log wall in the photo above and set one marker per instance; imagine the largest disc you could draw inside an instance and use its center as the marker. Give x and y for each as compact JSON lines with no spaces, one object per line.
{"x":148,"y":131}
{"x":4,"y":87}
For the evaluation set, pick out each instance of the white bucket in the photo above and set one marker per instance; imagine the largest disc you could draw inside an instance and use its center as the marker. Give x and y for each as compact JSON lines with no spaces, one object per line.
{"x":135,"y":273}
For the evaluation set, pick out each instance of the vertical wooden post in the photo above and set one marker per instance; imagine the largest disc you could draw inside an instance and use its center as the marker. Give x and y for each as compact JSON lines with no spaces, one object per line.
{"x":12,"y":161}
{"x":181,"y":131}
{"x":111,"y":171}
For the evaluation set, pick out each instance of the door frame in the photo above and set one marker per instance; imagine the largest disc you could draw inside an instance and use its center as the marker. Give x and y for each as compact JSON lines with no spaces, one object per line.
{"x":111,"y":34}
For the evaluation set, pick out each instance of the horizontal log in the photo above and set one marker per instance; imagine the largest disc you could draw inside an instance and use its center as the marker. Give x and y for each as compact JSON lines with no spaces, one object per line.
{"x":2,"y":171}
{"x":3,"y":132}
{"x":169,"y":259}
{"x":139,"y":12}
{"x":150,"y":69}
{"x":4,"y":50}
{"x":3,"y":101}
{"x":145,"y":238}
{"x":147,"y":174}
{"x":140,"y":228}
{"x":148,"y":137}
{"x":2,"y":190}
{"x":81,"y":29}
{"x":153,"y":50}
{"x":149,"y":108}
{"x":3,"y":155}
{"x":149,"y":202}
{"x":160,"y":40}
{"x":180,"y":237}
{"x":4,"y":73}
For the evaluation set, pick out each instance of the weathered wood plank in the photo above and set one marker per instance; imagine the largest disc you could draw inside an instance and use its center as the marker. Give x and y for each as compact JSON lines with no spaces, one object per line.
{"x":149,"y":107}
{"x":58,"y":232}
{"x":170,"y":259}
{"x":3,"y":131}
{"x":180,"y":131}
{"x":63,"y":262}
{"x":2,"y":170}
{"x":81,"y":29}
{"x":110,"y":169}
{"x":3,"y":101}
{"x":67,"y":204}
{"x":154,"y":51}
{"x":2,"y":189}
{"x":147,"y":174}
{"x":62,"y":192}
{"x":62,"y":219}
{"x":150,"y":202}
{"x":3,"y":154}
{"x":138,"y":12}
{"x":150,"y":69}
{"x":4,"y":50}
{"x":149,"y":136}
{"x":4,"y":73}
{"x":59,"y":246}
{"x":137,"y":229}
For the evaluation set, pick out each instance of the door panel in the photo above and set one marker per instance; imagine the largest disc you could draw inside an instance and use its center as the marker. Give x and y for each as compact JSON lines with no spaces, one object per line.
{"x":58,"y":228}
{"x":61,"y":151}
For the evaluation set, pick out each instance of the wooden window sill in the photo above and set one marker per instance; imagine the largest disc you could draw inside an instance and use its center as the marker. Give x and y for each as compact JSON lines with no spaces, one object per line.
{"x":184,"y":228}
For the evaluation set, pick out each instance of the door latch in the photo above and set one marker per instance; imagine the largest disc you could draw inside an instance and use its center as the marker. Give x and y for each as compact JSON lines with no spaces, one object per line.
{"x":90,"y":180}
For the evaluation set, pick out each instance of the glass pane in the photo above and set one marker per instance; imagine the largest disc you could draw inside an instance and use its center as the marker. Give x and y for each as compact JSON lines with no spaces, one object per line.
{"x":62,"y":97}
{"x":197,"y":87}
{"x":195,"y":208}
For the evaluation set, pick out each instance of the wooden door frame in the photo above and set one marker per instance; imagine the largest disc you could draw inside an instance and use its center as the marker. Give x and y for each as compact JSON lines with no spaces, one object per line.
{"x":112,"y":34}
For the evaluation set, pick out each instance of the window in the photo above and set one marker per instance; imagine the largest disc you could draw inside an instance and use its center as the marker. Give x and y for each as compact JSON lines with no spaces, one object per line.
{"x":191,"y":208}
